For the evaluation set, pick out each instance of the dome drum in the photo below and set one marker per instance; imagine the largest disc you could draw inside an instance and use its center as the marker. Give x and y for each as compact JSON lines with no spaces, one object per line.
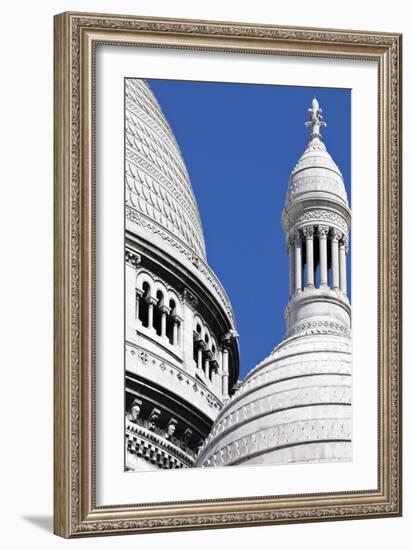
{"x":315,"y":212}
{"x":314,"y":309}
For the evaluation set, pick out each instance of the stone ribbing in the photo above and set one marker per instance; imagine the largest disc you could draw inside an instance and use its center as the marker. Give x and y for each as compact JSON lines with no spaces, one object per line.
{"x":298,"y":399}
{"x":156,"y":179}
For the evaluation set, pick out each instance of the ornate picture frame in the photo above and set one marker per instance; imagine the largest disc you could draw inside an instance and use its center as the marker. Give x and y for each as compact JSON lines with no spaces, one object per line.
{"x":76,"y":510}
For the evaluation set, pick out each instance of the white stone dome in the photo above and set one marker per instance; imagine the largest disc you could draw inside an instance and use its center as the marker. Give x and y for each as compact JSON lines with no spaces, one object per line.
{"x":159,"y":195}
{"x":316,"y":176}
{"x":293,"y":407}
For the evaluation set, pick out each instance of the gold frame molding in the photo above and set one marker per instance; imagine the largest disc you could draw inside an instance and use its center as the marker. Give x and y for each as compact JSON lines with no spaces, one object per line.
{"x":75,"y":38}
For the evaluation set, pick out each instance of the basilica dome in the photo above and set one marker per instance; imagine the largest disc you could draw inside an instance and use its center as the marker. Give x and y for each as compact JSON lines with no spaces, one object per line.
{"x":292,"y":407}
{"x":181,"y":343}
{"x":159,"y":195}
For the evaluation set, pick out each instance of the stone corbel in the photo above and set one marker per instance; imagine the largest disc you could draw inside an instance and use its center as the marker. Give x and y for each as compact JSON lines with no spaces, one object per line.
{"x":132,"y":258}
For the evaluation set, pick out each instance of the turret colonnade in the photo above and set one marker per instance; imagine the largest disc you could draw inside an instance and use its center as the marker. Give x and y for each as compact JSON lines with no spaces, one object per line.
{"x":317,"y":259}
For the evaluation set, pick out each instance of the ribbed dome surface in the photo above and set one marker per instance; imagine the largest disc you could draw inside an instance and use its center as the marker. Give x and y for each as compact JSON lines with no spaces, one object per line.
{"x":157,"y":183}
{"x":316,"y":175}
{"x":293,"y":407}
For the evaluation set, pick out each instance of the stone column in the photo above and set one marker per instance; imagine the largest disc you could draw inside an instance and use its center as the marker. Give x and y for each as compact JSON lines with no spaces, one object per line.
{"x":151,"y":302}
{"x":336,"y":235}
{"x":298,"y":263}
{"x":207,"y":366}
{"x":139,"y":294}
{"x":291,"y":253}
{"x":323,"y":232}
{"x":189,"y":305}
{"x":175,"y":331}
{"x":225,"y":373}
{"x":199,"y":357}
{"x":219,"y":370}
{"x":342,"y":266}
{"x":163,"y":321}
{"x":308,"y":233}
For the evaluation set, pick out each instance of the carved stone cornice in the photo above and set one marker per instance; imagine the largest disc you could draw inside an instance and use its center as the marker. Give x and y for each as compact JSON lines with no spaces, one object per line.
{"x":154,"y":361}
{"x":289,"y":434}
{"x":189,"y":299}
{"x":229,"y":338}
{"x":132,"y":258}
{"x":156,"y":448}
{"x":318,"y":327}
{"x":316,"y":216}
{"x":205,"y":273}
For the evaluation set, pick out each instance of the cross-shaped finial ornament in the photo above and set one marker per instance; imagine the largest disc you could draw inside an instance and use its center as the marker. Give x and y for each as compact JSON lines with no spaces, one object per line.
{"x":315,"y":120}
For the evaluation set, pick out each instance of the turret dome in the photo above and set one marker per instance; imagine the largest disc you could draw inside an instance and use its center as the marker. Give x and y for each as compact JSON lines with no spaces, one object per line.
{"x":316,"y":176}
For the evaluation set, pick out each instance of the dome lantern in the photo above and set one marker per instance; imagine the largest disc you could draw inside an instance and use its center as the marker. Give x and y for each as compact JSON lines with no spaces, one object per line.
{"x":316,"y":220}
{"x":295,"y":406}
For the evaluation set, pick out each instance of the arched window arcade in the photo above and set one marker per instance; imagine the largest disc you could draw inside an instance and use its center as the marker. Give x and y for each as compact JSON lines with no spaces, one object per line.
{"x":158,"y":309}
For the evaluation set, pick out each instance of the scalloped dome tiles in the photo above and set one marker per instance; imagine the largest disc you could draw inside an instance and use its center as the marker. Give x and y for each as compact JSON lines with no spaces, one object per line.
{"x":157,"y":182}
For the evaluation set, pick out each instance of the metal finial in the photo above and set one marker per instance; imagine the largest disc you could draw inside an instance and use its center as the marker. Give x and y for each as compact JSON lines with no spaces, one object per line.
{"x":315,"y":120}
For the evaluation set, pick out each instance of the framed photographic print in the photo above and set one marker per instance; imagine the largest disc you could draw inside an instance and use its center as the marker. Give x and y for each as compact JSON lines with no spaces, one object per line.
{"x":227,"y":274}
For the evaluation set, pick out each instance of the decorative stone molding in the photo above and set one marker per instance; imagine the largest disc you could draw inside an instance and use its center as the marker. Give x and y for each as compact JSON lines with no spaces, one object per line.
{"x":171,"y":428}
{"x":289,"y":371}
{"x":156,"y":449}
{"x":318,"y":327}
{"x":294,"y":433}
{"x":318,"y":183}
{"x":229,"y":337}
{"x":338,"y":394}
{"x":318,"y":161}
{"x":132,"y":258}
{"x":153,"y":418}
{"x":320,"y":216}
{"x":133,"y":413}
{"x":149,"y":359}
{"x":189,"y":299}
{"x":203,"y":269}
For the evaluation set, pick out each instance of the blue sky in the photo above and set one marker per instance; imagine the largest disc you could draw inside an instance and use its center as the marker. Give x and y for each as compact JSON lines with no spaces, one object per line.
{"x":240,"y":143}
